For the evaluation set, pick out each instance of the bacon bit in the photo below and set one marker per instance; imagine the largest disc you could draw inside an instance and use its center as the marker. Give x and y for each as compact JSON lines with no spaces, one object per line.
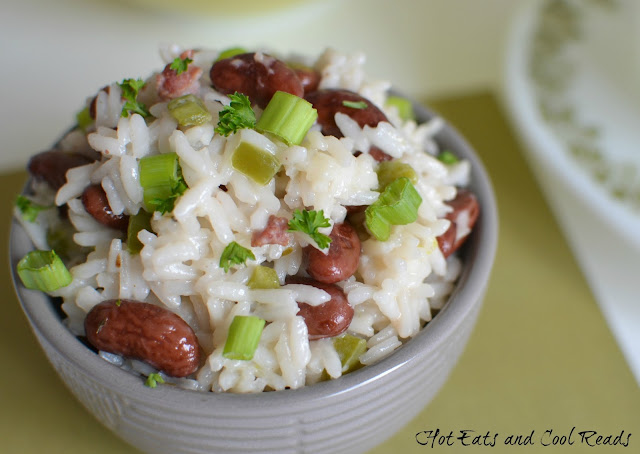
{"x":276,"y":232}
{"x":172,"y":85}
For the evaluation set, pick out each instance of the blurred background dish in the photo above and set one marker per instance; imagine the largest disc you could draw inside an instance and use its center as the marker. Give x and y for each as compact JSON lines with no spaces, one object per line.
{"x":217,"y":7}
{"x":67,"y":49}
{"x":571,"y":87}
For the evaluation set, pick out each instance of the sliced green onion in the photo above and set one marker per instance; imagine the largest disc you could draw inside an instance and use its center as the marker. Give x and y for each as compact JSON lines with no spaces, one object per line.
{"x":256,"y":163}
{"x":349,"y":349}
{"x":405,"y":109}
{"x":28,"y":208}
{"x":389,"y":171}
{"x":355,"y":104}
{"x":397,"y":205}
{"x":244,"y":336}
{"x":83,"y":119}
{"x":43,"y":270}
{"x":263,"y":277}
{"x":189,"y":110}
{"x":138,"y":222}
{"x":287,"y":117}
{"x":448,"y":158}
{"x":161,"y":181}
{"x":232,"y":52}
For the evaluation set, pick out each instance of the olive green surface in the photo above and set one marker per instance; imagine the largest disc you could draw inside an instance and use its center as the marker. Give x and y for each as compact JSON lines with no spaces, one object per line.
{"x":540,"y":359}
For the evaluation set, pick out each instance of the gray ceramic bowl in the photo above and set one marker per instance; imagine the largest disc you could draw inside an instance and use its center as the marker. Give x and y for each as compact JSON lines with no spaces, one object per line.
{"x":349,"y":415}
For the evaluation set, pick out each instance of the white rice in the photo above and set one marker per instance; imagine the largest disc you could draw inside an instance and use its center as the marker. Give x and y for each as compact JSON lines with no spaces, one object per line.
{"x":397,"y":284}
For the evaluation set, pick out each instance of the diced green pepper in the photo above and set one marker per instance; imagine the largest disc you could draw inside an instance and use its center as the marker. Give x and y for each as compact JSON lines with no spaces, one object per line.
{"x":349,"y":349}
{"x":263,"y":277}
{"x":256,"y":163}
{"x":140,"y":221}
{"x":405,"y":109}
{"x":389,"y":171}
{"x":189,"y":110}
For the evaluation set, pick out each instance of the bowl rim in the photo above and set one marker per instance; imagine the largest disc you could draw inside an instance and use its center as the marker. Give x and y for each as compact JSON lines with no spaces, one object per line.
{"x":468,"y":293}
{"x":541,"y":143}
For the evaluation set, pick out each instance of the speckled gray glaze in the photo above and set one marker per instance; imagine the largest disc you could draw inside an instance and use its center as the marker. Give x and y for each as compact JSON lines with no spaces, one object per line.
{"x":349,"y":415}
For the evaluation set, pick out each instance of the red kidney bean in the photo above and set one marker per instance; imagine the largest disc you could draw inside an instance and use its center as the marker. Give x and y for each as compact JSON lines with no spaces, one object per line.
{"x":173,"y":85}
{"x":275,"y":232}
{"x":446,"y":241}
{"x":51,"y":166}
{"x":144,"y":332}
{"x":255,"y":75}
{"x":465,"y":203}
{"x":309,"y":78}
{"x":328,"y":102}
{"x":328,"y":319}
{"x":342,"y":259}
{"x":96,"y":203}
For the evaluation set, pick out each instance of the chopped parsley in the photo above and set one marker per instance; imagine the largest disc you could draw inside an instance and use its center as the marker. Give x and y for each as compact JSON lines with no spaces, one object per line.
{"x":309,"y":222}
{"x":179,"y":65}
{"x":153,"y":379}
{"x":237,"y":115}
{"x":355,"y":104}
{"x":130,"y":89}
{"x":118,"y":302}
{"x":29,"y":209}
{"x":234,"y":254}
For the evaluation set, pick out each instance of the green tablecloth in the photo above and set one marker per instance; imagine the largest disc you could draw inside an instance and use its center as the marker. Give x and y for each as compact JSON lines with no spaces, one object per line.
{"x":541,"y":358}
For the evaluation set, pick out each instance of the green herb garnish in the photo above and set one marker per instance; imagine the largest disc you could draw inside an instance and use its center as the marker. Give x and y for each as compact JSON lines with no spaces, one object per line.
{"x":179,"y":65}
{"x":130,"y":89}
{"x":166,"y":204}
{"x":309,"y":221}
{"x":234,"y":254}
{"x":153,"y":379}
{"x":447,"y":157}
{"x":237,"y":115}
{"x":29,"y":209}
{"x":355,"y":104}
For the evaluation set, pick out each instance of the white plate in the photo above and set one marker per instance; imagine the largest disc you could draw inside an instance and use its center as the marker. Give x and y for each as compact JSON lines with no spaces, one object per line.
{"x":572,"y":87}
